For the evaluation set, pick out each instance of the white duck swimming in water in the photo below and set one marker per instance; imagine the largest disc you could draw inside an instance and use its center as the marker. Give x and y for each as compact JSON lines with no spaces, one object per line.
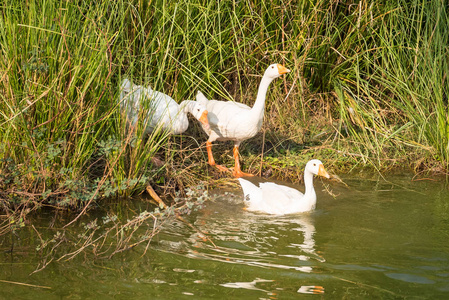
{"x":234,"y":121}
{"x":278,"y":199}
{"x":163,"y":111}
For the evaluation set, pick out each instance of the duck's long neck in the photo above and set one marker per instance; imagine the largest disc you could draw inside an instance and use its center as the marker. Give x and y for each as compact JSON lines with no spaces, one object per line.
{"x":186,"y":106}
{"x":259,"y":105}
{"x":309,"y":192}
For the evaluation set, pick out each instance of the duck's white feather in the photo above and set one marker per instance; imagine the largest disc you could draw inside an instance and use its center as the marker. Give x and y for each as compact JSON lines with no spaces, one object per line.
{"x":161,"y":109}
{"x":235,"y":121}
{"x":278,"y":199}
{"x":229,"y":120}
{"x":273,"y":198}
{"x":251,"y":193}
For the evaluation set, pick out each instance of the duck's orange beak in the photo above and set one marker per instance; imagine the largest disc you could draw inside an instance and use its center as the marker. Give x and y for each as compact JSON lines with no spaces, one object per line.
{"x":203,"y":119}
{"x":322,"y":171}
{"x":282,"y":69}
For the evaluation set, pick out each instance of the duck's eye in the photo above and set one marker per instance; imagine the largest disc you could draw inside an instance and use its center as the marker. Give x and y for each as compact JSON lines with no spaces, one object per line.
{"x":272,"y":67}
{"x":198,"y":109}
{"x":314,"y":165}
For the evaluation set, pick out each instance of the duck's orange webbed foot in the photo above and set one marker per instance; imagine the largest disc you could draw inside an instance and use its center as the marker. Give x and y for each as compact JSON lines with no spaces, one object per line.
{"x":239,"y":173}
{"x":221,"y":168}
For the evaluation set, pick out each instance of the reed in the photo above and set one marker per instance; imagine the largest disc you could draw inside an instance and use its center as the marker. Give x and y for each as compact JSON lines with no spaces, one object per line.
{"x":62,"y":135}
{"x":394,"y":93}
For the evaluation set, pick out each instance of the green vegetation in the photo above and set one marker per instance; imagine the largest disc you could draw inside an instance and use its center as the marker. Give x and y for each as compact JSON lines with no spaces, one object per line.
{"x":368,"y":87}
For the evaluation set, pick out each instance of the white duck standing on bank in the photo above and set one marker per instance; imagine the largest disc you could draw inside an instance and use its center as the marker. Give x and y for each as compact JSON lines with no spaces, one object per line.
{"x":234,"y":121}
{"x":163,"y":111}
{"x":278,"y":199}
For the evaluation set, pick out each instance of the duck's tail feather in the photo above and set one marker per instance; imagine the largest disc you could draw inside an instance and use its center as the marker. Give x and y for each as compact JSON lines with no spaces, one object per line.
{"x":201,"y":98}
{"x":126,"y":85}
{"x":251,"y":192}
{"x":125,"y":89}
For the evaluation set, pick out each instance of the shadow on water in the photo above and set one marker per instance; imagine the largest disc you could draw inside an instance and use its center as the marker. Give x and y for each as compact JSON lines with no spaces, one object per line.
{"x":376,"y":239}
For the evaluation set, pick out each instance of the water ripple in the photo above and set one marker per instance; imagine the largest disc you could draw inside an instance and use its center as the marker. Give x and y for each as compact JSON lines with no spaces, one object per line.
{"x":410,"y":278}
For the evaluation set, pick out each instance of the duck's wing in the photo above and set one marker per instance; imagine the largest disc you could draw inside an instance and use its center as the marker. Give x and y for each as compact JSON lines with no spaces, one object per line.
{"x":226,"y":108}
{"x":227,"y":118}
{"x":271,"y":189}
{"x":280,"y":199}
{"x":163,"y":109}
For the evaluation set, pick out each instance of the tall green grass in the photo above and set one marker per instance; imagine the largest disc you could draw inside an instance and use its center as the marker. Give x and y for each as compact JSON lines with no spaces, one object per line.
{"x":61,"y":133}
{"x":372,"y":75}
{"x":392,"y":84}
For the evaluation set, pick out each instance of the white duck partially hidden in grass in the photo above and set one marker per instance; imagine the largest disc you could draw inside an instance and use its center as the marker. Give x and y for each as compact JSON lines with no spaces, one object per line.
{"x":163,"y":111}
{"x":278,"y":199}
{"x":234,"y":121}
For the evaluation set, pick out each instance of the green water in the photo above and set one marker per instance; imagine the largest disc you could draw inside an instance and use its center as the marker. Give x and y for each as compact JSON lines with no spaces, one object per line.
{"x":376,"y":240}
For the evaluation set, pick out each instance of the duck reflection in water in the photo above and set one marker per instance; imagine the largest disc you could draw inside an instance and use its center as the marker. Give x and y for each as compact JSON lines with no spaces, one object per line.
{"x":286,"y":242}
{"x":256,"y":240}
